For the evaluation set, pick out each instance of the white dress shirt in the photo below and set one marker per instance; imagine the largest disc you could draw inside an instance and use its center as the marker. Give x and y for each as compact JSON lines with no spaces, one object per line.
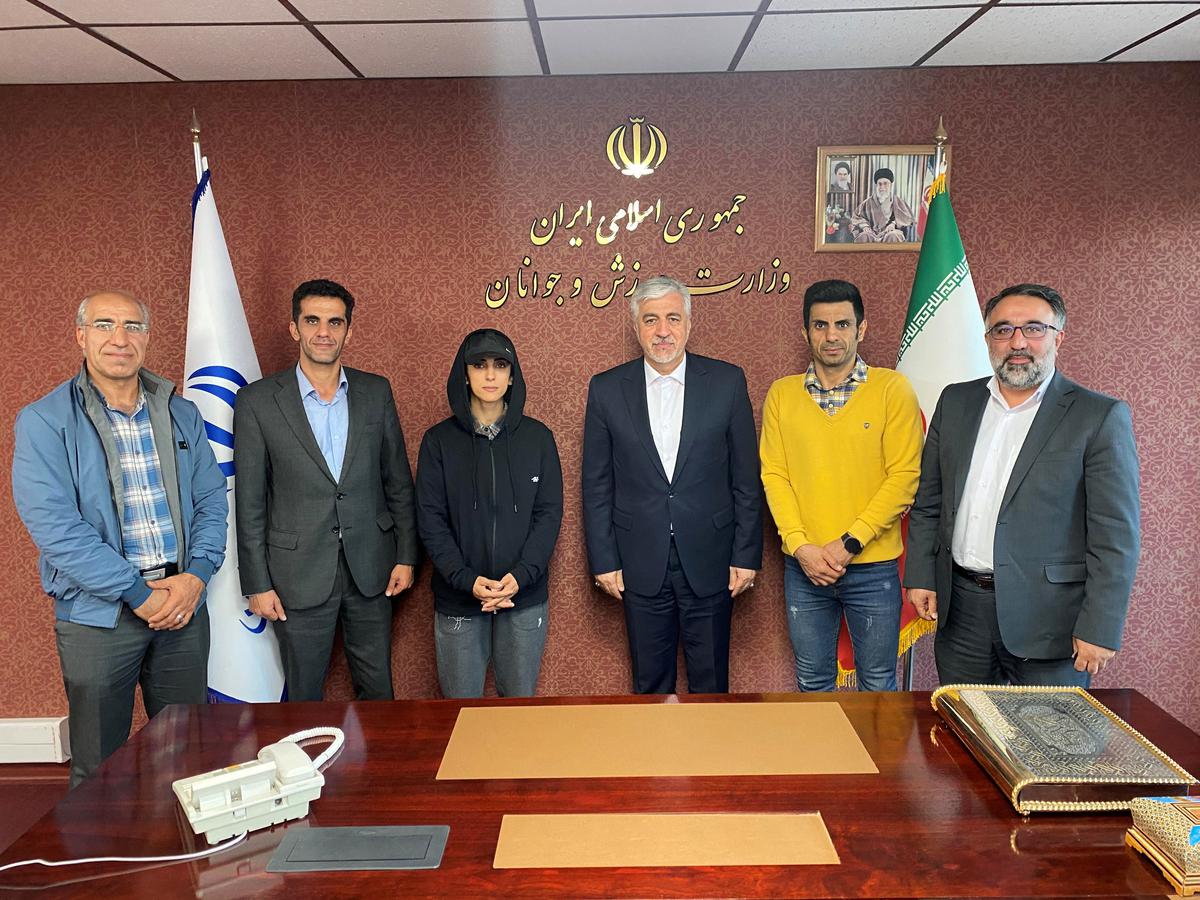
{"x":1002,"y":433}
{"x":664,"y":399}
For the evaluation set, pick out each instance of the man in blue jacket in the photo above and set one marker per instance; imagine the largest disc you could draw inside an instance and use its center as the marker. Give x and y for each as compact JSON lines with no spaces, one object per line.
{"x":115,"y":480}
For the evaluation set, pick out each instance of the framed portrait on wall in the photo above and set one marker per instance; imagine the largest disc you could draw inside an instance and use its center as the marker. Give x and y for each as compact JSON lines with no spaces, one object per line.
{"x":873,"y":198}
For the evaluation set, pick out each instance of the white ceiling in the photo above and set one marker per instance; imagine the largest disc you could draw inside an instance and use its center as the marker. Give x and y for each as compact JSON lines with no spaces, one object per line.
{"x":665,"y":44}
{"x":1055,"y":34}
{"x":69,"y":41}
{"x":850,"y":39}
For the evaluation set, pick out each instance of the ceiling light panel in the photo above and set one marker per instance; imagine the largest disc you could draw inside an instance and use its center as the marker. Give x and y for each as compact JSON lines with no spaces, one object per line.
{"x":232,"y":52}
{"x":848,"y":40}
{"x":1017,"y":35}
{"x":609,"y":46}
{"x":438,"y":49}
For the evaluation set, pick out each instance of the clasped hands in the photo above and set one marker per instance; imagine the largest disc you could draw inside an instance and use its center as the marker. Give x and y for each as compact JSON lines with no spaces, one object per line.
{"x":824,"y":565}
{"x":172,"y":602}
{"x":494,"y":595}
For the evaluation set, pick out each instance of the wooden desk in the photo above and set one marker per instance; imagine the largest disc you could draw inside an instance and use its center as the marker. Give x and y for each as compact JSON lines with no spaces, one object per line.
{"x":930,"y":824}
{"x":27,"y":792}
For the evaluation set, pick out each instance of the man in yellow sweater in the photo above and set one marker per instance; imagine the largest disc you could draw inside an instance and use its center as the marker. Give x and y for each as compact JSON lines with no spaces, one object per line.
{"x":841,"y":456}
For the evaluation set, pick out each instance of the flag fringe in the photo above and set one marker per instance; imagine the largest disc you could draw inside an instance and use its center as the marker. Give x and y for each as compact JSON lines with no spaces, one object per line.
{"x":938,"y":187}
{"x":847,"y":679}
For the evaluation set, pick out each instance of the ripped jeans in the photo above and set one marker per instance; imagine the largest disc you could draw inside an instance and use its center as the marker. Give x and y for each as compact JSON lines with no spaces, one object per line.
{"x":869,"y":597}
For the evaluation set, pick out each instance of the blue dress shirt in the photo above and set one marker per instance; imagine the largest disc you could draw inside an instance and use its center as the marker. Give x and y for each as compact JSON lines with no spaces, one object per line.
{"x":330,"y":421}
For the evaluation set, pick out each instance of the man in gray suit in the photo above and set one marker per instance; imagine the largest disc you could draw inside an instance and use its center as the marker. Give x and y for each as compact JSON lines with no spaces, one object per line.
{"x":325,"y":519}
{"x":1023,"y":539}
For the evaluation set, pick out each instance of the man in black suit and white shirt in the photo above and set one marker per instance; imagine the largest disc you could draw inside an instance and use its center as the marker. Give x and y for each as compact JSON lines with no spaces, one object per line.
{"x":672,"y":504}
{"x":326,"y":526}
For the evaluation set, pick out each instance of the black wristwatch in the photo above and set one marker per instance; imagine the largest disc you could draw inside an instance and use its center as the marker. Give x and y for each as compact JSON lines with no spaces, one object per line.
{"x":852,"y":544}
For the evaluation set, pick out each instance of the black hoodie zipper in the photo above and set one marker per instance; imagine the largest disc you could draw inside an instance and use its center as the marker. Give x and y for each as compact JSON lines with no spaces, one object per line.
{"x":495,"y":506}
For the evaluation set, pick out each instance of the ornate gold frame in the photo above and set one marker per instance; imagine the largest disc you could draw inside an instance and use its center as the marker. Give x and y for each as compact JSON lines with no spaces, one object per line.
{"x":824,"y":155}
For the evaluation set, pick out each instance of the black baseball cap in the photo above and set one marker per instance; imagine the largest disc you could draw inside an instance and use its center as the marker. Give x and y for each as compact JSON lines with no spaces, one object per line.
{"x":488,"y":344}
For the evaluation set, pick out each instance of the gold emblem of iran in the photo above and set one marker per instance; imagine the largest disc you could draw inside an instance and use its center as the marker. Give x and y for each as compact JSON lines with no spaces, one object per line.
{"x":636,"y":149}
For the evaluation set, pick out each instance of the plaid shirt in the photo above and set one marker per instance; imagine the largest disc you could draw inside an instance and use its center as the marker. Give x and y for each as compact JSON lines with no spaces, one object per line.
{"x":147,"y":532}
{"x":492,"y":430}
{"x":836,"y":397}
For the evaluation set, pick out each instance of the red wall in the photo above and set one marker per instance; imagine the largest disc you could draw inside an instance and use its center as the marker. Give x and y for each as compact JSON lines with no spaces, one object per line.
{"x":417,"y":194}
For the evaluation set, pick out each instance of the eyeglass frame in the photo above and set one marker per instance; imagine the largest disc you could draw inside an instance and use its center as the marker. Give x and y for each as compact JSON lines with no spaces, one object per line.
{"x":108,"y":326}
{"x":992,"y":334}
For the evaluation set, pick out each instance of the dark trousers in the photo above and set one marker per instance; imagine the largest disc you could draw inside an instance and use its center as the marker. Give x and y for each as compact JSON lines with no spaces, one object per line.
{"x":102,"y":666}
{"x":306,"y":641}
{"x":656,"y":623}
{"x":968,"y":648}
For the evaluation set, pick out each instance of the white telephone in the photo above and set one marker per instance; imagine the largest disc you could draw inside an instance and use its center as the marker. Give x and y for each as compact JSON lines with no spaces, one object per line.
{"x":276,"y":787}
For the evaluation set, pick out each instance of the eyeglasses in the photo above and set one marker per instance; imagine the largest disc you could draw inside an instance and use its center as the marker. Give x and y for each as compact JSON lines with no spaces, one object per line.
{"x":1033,"y":331}
{"x":107,"y":326}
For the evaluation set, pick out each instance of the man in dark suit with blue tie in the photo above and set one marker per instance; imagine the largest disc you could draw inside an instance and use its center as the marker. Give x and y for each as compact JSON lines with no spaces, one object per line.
{"x":325,"y":517}
{"x":671,"y":497}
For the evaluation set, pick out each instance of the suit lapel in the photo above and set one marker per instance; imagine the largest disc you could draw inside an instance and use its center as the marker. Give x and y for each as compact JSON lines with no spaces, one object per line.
{"x":292,"y":407}
{"x":357,"y":397}
{"x":1057,"y":400}
{"x":977,"y":400}
{"x":634,"y":387}
{"x":693,"y":403}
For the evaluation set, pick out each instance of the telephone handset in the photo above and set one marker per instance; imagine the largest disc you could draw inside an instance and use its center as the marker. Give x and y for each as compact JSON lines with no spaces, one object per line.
{"x":291,"y":762}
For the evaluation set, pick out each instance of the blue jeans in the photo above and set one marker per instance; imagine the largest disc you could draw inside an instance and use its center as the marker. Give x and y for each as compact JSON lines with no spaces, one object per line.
{"x":512,"y":638}
{"x":868,"y":595}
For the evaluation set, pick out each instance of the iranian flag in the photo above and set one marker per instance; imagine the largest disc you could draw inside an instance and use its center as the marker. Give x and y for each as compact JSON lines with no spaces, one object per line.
{"x":942,"y":344}
{"x":943,"y":340}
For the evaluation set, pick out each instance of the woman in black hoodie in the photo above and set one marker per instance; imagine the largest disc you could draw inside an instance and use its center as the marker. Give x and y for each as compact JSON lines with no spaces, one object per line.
{"x":489,"y":506}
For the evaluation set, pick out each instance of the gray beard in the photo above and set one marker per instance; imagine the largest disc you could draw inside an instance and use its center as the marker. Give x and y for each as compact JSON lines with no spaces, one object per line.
{"x":1030,"y":376}
{"x":666,"y":355}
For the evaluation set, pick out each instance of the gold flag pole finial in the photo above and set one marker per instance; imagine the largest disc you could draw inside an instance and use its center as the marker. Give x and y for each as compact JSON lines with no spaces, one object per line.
{"x":195,"y":130}
{"x":939,"y":157}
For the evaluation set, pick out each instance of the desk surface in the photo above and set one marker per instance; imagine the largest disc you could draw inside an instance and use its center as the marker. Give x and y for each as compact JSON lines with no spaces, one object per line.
{"x":930,"y":823}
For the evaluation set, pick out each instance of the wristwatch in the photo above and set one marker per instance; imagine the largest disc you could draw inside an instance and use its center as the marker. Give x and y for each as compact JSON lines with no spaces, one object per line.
{"x":852,"y":544}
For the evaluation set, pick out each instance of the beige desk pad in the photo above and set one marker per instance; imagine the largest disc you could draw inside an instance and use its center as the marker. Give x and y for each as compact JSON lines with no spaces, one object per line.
{"x":668,"y":839}
{"x":660,"y":739}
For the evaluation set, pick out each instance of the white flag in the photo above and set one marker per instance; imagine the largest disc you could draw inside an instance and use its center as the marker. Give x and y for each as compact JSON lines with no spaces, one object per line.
{"x":243,"y":662}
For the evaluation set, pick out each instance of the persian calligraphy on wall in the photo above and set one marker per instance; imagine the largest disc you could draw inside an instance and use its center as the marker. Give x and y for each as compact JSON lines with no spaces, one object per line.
{"x":577,"y":228}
